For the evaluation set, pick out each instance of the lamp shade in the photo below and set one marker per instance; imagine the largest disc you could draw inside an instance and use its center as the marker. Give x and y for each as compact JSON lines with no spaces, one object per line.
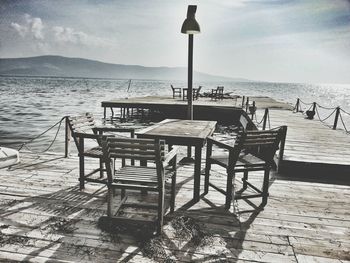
{"x":190,"y":25}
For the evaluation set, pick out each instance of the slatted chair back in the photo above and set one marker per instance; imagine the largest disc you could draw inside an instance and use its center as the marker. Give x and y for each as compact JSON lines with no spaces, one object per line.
{"x":84,"y":123}
{"x":262,"y":144}
{"x":142,"y":150}
{"x":246,"y":123}
{"x":176,"y":91}
{"x":196,"y":93}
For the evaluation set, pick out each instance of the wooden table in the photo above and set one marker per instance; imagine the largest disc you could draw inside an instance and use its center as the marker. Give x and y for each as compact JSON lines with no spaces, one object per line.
{"x":187,"y":133}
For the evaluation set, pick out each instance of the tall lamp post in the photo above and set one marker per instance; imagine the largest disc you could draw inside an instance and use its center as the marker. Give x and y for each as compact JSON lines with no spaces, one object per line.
{"x":190,"y":26}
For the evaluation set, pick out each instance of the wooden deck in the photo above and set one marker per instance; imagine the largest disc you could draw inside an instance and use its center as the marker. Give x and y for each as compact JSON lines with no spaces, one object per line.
{"x":311,"y":143}
{"x":45,"y":218}
{"x":224,"y":111}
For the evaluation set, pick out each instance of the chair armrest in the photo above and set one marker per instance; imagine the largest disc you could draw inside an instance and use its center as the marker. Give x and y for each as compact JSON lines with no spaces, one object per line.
{"x":218,"y":143}
{"x":170,"y":155}
{"x":87,"y":135}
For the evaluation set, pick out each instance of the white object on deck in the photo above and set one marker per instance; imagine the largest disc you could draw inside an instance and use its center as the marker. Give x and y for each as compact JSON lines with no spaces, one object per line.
{"x":8,"y":157}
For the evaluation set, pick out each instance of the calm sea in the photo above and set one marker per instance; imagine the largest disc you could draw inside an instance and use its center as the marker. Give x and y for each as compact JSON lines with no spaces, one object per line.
{"x":29,"y":105}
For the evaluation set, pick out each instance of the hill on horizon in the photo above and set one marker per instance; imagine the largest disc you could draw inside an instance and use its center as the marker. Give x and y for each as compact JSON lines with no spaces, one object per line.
{"x":59,"y":66}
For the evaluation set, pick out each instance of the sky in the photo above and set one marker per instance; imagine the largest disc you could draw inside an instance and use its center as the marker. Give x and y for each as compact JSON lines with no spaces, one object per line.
{"x":304,"y":41}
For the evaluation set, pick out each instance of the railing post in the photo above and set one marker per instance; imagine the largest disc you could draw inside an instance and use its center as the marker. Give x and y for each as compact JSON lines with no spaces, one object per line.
{"x":336,"y":118}
{"x":297,"y":105}
{"x":314,"y":106}
{"x":253,"y":110}
{"x":247,"y":105}
{"x":243,"y":99}
{"x":265,"y":118}
{"x":67,"y":138}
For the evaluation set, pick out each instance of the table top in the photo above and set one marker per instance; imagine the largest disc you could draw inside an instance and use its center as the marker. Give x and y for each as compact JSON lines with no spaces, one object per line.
{"x":180,"y":131}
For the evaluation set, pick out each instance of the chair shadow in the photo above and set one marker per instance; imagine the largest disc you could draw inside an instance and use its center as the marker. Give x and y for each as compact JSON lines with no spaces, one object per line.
{"x":54,"y":222}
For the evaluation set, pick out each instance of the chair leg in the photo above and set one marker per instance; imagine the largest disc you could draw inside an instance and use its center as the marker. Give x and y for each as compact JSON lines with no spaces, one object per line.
{"x":244,"y":179}
{"x":229,"y":187}
{"x":101,"y":168}
{"x":109,"y":201}
{"x":160,"y":211}
{"x":265,"y":188}
{"x":206,"y":179}
{"x":173,"y":188}
{"x":81,"y":172}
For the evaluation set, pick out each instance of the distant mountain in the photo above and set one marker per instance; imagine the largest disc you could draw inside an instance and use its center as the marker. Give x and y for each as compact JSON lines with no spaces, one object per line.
{"x":58,"y":66}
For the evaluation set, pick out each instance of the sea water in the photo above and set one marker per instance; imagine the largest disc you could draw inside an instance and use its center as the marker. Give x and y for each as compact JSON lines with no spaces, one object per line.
{"x":30,"y":105}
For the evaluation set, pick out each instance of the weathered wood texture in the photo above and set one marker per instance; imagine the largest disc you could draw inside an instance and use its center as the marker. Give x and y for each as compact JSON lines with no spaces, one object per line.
{"x":45,"y":217}
{"x":226,"y":111}
{"x":310,"y":142}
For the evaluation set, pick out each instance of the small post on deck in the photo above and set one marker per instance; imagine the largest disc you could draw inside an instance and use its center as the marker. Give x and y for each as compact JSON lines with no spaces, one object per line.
{"x":314,"y":106}
{"x":297,"y":105}
{"x":67,"y":139}
{"x":337,"y":113}
{"x":265,"y":118}
{"x":243,"y":99}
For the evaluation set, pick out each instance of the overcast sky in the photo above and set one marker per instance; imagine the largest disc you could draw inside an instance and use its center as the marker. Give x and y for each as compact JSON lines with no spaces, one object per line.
{"x":270,"y":40}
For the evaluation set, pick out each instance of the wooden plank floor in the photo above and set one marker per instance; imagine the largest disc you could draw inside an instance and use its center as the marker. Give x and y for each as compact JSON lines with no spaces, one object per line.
{"x":45,"y":218}
{"x":310,"y":141}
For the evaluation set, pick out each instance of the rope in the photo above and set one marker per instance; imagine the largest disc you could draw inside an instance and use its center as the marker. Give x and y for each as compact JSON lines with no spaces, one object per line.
{"x":342,"y":121}
{"x":305,"y":102}
{"x":304,"y":112}
{"x":41,"y":134}
{"x":326,"y":117}
{"x":345,"y":111}
{"x":256,"y":121}
{"x":326,"y":108}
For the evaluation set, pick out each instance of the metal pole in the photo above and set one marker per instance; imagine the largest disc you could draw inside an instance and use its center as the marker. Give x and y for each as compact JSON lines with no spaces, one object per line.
{"x":190,"y":78}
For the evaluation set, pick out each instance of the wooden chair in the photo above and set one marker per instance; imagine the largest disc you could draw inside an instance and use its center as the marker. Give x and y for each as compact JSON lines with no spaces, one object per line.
{"x":176,"y":92}
{"x":83,"y":127}
{"x":217,"y":93}
{"x":253,"y":151}
{"x":195,"y":93}
{"x":139,"y":177}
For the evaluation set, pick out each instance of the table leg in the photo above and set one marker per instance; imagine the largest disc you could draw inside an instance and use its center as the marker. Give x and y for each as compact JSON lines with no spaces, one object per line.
{"x":197,"y":173}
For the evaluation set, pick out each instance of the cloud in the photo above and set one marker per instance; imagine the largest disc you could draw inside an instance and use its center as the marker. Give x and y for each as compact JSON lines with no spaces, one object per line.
{"x":32,"y":27}
{"x":21,"y":30}
{"x":45,"y":36}
{"x":66,"y":35}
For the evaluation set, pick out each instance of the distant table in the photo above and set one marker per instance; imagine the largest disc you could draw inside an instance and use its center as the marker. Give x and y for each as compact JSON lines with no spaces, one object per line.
{"x":185,"y":93}
{"x":183,"y":132}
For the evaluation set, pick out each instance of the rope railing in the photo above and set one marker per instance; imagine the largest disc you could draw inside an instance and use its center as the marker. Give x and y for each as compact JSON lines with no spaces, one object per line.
{"x":314,"y":109}
{"x":264,"y":120}
{"x":342,"y":121}
{"x":25,"y":144}
{"x":344,"y":111}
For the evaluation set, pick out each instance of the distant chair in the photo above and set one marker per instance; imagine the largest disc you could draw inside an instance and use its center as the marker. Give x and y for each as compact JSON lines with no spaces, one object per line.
{"x":176,"y":92}
{"x":195,"y":93}
{"x":253,"y":151}
{"x":138,"y":177}
{"x":217,"y":93}
{"x":83,"y":127}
